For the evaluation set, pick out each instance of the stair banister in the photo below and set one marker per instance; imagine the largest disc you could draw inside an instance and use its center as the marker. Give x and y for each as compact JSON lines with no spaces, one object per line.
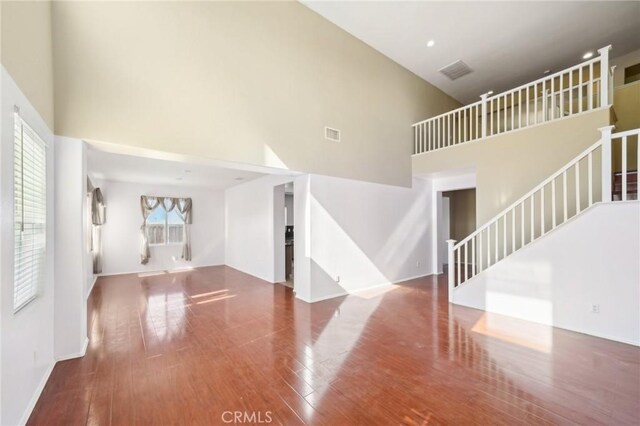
{"x":481,"y":117}
{"x":533,"y":191}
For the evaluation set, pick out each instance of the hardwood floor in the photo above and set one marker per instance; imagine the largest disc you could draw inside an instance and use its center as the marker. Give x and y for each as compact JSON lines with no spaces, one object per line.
{"x":185,"y":348}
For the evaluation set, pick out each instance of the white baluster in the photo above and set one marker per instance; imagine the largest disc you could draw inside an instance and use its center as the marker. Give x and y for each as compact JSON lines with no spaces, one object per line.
{"x":553,"y":203}
{"x":624,"y":168}
{"x":450,"y":268}
{"x":473,"y":255}
{"x":590,"y":176}
{"x":580,"y":85}
{"x":533,"y":220}
{"x":483,"y":118}
{"x":564,"y":195}
{"x":466,"y":261}
{"x":577,"y":167}
{"x":542,"y":211}
{"x":605,"y":138}
{"x":590,"y":87}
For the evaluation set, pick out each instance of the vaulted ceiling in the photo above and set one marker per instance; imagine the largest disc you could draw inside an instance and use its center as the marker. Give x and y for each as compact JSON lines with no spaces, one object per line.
{"x":505,"y":43}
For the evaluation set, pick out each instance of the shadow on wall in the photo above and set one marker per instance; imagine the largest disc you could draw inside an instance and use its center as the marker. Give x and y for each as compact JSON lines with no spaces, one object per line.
{"x":365,"y":235}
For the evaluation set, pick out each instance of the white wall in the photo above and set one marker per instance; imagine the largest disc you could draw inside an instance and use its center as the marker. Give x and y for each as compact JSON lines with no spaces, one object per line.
{"x":366,"y":234}
{"x":288,"y":202}
{"x":250,"y":232}
{"x":121,"y":233}
{"x":27,"y":337}
{"x":71,"y":262}
{"x":590,"y":260}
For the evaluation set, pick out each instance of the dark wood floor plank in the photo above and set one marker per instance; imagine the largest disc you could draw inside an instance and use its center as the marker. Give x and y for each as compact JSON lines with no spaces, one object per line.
{"x":186,"y":348}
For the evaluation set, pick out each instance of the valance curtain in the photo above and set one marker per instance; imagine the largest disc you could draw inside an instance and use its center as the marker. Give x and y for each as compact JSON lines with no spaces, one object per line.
{"x":182,"y":206}
{"x":98,"y":218}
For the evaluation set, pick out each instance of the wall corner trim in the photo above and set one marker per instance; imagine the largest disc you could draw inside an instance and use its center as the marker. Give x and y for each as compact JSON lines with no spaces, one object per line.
{"x":36,"y":394}
{"x":77,"y":354}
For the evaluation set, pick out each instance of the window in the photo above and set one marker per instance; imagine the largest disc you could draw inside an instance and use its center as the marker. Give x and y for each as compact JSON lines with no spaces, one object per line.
{"x":30,"y":213}
{"x":164,"y":228}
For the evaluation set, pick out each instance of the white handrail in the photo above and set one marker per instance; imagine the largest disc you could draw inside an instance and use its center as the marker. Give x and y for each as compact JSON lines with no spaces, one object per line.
{"x":551,"y":97}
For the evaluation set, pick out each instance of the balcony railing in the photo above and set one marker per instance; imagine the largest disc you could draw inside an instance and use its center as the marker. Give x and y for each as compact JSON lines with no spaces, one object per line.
{"x":583,"y":87}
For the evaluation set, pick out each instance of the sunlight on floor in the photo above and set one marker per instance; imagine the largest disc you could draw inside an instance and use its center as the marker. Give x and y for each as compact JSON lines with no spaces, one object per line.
{"x":523,"y":333}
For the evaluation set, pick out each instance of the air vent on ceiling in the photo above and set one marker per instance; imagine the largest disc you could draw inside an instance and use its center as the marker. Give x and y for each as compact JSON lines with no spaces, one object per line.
{"x":456,"y":70}
{"x":332,"y":134}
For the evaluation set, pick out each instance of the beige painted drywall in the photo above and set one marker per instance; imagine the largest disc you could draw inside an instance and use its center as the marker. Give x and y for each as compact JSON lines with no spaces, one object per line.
{"x":252,"y":82}
{"x":462,"y":213}
{"x":621,"y":63}
{"x":508,"y":166}
{"x":26,"y":51}
{"x":626,"y":104}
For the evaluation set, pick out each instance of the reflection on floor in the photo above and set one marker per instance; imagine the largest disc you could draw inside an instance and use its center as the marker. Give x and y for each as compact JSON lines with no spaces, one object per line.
{"x":186,"y":348}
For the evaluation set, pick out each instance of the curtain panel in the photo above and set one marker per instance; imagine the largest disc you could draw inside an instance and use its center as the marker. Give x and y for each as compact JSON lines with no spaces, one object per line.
{"x":98,"y":218}
{"x":183,"y":207}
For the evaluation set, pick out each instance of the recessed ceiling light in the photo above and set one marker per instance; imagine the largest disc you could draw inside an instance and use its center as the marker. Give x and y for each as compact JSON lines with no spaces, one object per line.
{"x":490,"y":92}
{"x":431,"y":43}
{"x":587,"y":55}
{"x":546,"y":71}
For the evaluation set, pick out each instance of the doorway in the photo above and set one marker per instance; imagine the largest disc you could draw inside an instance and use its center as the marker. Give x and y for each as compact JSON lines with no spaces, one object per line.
{"x":458,"y":217}
{"x":284,"y":234}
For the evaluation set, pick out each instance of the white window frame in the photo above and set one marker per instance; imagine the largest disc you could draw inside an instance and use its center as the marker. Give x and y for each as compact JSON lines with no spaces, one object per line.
{"x":30,"y":207}
{"x":166,"y":231}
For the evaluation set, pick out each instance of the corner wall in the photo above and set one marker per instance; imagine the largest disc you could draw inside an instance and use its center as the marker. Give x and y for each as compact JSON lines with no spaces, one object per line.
{"x":365,"y":235}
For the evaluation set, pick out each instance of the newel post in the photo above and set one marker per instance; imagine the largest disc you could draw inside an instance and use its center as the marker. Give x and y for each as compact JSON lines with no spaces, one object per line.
{"x":604,"y":76}
{"x":605,"y":139}
{"x":451,"y":269}
{"x":483,"y":118}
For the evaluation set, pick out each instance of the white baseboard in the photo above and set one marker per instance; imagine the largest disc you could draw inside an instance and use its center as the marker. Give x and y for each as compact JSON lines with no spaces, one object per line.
{"x":77,"y":354}
{"x":146,"y":271}
{"x":361,"y":290}
{"x":36,"y":394}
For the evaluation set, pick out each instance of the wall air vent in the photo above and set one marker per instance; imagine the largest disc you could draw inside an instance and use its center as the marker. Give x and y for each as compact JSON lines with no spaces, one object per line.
{"x":332,"y":134}
{"x":456,"y":70}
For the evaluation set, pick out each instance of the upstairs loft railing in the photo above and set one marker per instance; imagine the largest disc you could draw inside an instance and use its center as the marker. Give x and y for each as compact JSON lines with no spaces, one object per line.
{"x":607,"y":171}
{"x":583,"y":87}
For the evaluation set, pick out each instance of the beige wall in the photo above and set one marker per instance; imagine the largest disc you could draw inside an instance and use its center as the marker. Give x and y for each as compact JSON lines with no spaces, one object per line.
{"x":462,"y":213}
{"x":626,"y":104}
{"x":26,"y":51}
{"x":508,"y":166}
{"x":248,"y":82}
{"x":621,"y":63}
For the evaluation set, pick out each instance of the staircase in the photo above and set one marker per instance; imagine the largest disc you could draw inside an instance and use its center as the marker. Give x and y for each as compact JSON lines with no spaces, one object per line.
{"x":604,"y":172}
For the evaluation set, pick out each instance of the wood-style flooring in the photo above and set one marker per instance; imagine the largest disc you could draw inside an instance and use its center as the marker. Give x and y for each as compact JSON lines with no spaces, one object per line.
{"x":196,"y":347}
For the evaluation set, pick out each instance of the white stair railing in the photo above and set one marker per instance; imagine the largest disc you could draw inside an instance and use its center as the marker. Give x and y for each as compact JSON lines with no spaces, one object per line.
{"x":606,"y":171}
{"x":583,"y":87}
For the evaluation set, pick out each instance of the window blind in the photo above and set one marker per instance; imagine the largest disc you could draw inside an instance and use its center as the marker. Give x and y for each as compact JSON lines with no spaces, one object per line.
{"x":30,"y":213}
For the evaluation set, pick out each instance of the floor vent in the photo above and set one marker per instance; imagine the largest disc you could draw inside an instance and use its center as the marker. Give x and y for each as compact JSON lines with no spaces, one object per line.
{"x":456,"y":70}
{"x":332,"y":134}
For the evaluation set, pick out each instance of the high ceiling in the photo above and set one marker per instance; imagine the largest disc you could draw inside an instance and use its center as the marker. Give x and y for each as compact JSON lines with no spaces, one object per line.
{"x":505,"y":43}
